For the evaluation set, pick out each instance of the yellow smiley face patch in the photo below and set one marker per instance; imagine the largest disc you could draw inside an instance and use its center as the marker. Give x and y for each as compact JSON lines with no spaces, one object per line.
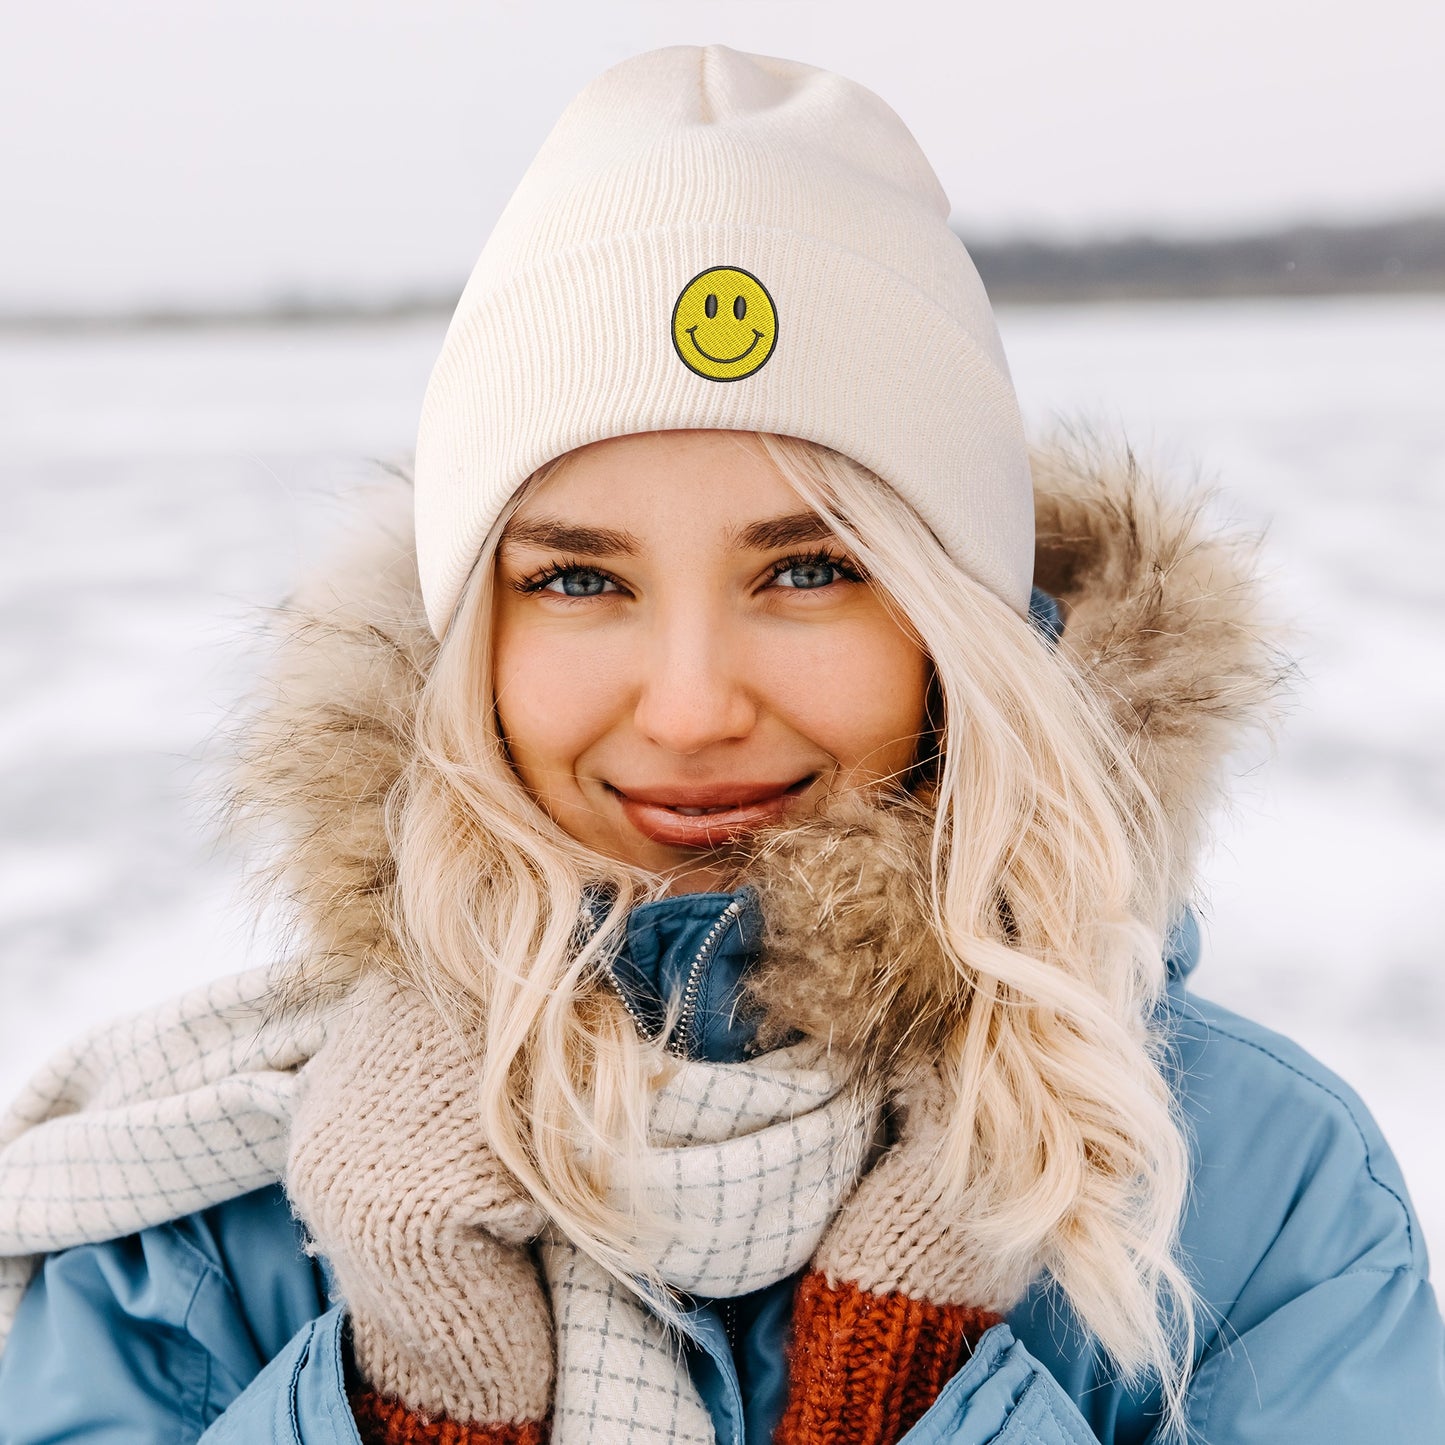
{"x":724,"y":325}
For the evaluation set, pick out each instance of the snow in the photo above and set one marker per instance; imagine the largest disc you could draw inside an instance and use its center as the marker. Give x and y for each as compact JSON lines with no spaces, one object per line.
{"x":162,"y":488}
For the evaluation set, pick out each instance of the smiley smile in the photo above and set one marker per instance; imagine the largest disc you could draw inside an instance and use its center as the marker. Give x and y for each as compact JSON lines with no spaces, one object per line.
{"x":723,"y":360}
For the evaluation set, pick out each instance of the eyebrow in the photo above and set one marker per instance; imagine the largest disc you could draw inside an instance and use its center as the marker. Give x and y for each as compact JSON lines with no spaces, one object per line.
{"x":551,"y":533}
{"x":794,"y":530}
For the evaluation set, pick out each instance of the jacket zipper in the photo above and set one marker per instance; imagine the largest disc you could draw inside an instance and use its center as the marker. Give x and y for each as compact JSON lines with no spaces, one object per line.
{"x":643,"y":1029}
{"x":692,"y":990}
{"x":729,"y":1310}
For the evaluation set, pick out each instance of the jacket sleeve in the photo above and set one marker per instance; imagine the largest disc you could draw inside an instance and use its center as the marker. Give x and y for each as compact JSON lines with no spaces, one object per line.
{"x":166,"y":1335}
{"x":1002,"y":1396}
{"x":1358,"y":1359}
{"x":1317,"y":1320}
{"x":300,"y":1396}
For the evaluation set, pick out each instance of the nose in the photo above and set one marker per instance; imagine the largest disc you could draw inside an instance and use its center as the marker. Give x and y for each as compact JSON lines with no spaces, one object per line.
{"x":694,"y":691}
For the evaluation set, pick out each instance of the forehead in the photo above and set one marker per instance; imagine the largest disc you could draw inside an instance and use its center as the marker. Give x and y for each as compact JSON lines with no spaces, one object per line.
{"x":658,"y":480}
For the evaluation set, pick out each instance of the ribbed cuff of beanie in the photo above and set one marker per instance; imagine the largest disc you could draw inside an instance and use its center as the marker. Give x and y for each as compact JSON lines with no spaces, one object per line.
{"x":382,"y":1421}
{"x":864,"y":1368}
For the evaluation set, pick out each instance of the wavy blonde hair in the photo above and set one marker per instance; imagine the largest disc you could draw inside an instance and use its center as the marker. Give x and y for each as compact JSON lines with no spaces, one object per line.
{"x":1049,"y":894}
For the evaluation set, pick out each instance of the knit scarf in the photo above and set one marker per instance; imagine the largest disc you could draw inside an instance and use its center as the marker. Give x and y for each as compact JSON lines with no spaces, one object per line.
{"x":750,"y":1163}
{"x":147,"y":1120}
{"x":188,"y":1105}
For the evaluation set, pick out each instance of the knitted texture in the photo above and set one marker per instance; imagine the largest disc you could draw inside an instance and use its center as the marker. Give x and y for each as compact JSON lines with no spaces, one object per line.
{"x":380,"y":1421}
{"x":748,"y":1164}
{"x":863,"y":1368}
{"x":424,"y":1230}
{"x":813,"y":205}
{"x":426,"y":1233}
{"x":898,"y":1233}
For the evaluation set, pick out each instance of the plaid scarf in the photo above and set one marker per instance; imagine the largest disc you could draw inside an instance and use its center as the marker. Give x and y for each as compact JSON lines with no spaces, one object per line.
{"x":144,"y":1121}
{"x":188,"y":1105}
{"x":752,"y":1161}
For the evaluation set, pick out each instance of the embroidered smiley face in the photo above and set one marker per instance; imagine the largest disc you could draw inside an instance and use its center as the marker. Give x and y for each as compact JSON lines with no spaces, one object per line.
{"x":724,"y":325}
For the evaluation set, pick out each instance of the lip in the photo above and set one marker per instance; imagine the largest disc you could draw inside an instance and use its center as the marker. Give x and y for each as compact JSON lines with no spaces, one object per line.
{"x":735,"y":808}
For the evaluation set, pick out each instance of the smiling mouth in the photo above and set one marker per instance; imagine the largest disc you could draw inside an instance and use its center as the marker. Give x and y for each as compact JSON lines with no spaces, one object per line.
{"x":723,"y":360}
{"x":707,"y":817}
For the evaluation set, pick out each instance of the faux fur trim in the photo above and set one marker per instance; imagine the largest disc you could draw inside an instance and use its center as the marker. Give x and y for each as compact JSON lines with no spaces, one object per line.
{"x":1163,"y":613}
{"x":843,"y":956}
{"x":328,"y":737}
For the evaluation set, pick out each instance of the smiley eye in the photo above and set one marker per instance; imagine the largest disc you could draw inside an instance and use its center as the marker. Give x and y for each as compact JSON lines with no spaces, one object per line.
{"x":740,"y":308}
{"x":710,"y":306}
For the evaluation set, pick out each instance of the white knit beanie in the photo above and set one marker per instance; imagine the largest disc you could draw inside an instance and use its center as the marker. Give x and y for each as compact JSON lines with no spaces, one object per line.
{"x":837,"y":306}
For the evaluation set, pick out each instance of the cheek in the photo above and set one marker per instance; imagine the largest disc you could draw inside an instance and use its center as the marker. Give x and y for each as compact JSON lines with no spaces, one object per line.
{"x":861,"y":695}
{"x":554,"y":698}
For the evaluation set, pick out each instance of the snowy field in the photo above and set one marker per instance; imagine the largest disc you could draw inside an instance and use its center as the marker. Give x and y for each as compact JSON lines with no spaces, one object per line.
{"x":161,"y":489}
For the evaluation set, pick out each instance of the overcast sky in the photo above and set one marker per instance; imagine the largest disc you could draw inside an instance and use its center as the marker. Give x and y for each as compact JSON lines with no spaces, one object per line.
{"x":210,"y":152}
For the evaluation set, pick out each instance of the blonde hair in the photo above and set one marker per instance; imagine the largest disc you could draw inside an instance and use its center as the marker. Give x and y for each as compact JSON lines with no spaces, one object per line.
{"x":1050,"y":894}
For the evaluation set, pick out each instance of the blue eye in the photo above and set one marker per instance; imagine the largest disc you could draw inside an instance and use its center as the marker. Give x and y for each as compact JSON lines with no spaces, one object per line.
{"x":805,"y":576}
{"x":577,"y":582}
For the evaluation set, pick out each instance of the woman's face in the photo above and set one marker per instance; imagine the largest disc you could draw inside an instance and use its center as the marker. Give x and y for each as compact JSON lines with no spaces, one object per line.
{"x":684,"y":652}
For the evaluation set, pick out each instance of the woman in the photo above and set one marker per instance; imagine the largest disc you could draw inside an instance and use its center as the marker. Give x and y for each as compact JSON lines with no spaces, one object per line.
{"x":743,"y":993}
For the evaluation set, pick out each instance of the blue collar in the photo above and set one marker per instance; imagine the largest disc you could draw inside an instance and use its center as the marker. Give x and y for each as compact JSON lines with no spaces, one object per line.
{"x":1182,"y":947}
{"x":697,"y":948}
{"x":693,"y":949}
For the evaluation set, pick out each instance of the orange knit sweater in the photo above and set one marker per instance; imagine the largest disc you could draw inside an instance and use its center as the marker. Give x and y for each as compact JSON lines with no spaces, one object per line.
{"x":862,"y":1370}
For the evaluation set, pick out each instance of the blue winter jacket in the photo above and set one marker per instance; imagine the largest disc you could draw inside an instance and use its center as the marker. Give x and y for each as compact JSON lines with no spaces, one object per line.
{"x":1318,"y":1326}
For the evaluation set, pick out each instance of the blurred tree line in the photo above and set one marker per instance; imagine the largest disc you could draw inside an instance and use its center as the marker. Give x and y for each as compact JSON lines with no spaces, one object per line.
{"x":1406,"y":254}
{"x":1402,"y":255}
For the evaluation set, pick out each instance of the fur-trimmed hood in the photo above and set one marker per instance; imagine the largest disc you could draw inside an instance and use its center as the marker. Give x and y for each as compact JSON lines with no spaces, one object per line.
{"x":1162,"y":613}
